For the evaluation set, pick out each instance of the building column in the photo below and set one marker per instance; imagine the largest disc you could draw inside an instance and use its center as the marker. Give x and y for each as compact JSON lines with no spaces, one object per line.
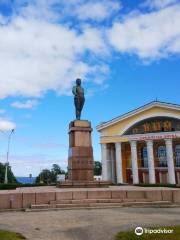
{"x":134,"y":162}
{"x":150,"y":154}
{"x":119,"y":169}
{"x":170,"y":161}
{"x":106,"y":162}
{"x":112,"y":164}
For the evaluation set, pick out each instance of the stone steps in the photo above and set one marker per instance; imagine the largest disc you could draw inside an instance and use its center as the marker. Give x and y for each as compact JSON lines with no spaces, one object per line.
{"x":103,"y":205}
{"x":25,"y":197}
{"x":79,"y":201}
{"x":99,"y":203}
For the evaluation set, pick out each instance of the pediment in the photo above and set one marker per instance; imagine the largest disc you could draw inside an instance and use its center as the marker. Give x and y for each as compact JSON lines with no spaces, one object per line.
{"x":156,"y":111}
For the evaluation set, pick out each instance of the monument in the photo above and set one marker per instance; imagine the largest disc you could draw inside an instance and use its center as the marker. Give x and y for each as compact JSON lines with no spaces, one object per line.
{"x":80,"y":155}
{"x":80,"y":159}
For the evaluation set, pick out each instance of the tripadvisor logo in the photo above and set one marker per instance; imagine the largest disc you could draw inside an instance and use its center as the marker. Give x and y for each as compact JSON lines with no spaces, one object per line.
{"x":138,"y":231}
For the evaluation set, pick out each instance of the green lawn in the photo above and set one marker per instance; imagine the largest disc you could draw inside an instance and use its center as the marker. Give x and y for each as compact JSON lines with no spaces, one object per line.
{"x":153,"y":236}
{"x":4,"y":235}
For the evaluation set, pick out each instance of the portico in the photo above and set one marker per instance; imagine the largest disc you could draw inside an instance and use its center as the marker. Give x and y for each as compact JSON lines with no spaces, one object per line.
{"x":147,"y":151}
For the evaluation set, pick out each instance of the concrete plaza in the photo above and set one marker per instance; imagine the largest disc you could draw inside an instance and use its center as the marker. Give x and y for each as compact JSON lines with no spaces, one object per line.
{"x":94,"y":224}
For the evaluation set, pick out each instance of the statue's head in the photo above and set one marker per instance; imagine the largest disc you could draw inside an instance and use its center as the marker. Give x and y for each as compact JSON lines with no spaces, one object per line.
{"x":78,"y":81}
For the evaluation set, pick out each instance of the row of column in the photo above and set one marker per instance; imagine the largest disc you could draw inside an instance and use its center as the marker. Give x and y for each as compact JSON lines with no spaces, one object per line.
{"x":107,"y":166}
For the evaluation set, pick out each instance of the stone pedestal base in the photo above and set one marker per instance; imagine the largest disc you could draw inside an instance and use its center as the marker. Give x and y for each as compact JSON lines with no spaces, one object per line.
{"x":80,"y":159}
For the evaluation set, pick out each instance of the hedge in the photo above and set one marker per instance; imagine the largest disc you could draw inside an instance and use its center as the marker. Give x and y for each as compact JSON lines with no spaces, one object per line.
{"x":157,"y":185}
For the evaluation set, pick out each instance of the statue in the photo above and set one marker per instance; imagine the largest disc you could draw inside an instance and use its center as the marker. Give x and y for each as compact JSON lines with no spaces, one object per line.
{"x":79,"y":98}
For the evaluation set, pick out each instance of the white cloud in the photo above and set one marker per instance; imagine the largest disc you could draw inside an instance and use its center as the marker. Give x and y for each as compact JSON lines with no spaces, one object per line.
{"x":39,"y":9}
{"x":98,"y":10}
{"x":6,"y":125}
{"x":24,"y":105}
{"x":150,"y":36}
{"x":37,"y":56}
{"x":157,"y":4}
{"x":43,"y":49}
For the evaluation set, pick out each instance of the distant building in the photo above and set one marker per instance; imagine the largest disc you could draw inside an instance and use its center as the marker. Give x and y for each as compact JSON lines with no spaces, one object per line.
{"x":142,"y":146}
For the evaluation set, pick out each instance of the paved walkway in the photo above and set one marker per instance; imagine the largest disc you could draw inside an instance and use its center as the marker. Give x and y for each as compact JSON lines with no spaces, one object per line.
{"x":94,"y":224}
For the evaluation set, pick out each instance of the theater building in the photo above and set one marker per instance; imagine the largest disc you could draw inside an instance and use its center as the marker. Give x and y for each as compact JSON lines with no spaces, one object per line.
{"x":142,"y":146}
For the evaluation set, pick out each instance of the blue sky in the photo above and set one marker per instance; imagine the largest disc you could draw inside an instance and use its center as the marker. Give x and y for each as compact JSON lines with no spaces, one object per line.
{"x":127,"y":53}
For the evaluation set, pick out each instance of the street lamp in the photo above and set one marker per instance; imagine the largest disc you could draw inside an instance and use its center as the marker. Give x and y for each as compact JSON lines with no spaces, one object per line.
{"x":7,"y":160}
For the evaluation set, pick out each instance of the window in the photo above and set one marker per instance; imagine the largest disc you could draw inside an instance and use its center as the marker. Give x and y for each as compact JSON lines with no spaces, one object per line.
{"x":177,"y":155}
{"x":162,"y":156}
{"x":144,"y":157}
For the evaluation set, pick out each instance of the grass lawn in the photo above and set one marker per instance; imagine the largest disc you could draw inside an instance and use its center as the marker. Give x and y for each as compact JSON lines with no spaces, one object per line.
{"x":153,"y":236}
{"x":4,"y":235}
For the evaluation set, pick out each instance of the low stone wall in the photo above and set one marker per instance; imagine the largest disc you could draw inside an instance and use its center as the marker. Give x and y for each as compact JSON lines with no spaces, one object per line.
{"x":21,"y":200}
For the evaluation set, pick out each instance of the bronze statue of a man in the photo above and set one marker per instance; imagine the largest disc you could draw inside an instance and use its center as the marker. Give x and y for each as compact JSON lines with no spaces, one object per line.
{"x":79,"y":98}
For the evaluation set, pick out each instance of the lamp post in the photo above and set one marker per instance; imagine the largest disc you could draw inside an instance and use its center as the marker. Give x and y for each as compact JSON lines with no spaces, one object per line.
{"x":7,"y":159}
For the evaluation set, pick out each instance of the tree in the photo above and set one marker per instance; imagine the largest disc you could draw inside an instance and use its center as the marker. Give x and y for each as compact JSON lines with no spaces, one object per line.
{"x":44,"y":176}
{"x":97,"y":168}
{"x":56,"y":170}
{"x":10,"y":175}
{"x":49,"y":176}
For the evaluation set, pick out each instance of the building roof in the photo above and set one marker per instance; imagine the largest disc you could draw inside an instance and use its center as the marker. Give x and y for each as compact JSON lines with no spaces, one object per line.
{"x":136,"y":111}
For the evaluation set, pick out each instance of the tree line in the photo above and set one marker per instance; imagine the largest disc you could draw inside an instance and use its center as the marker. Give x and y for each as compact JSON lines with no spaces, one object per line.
{"x":50,"y":176}
{"x":46,"y":176}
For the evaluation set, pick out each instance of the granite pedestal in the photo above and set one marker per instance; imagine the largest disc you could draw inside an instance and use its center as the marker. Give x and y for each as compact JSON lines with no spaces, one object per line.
{"x":80,"y":157}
